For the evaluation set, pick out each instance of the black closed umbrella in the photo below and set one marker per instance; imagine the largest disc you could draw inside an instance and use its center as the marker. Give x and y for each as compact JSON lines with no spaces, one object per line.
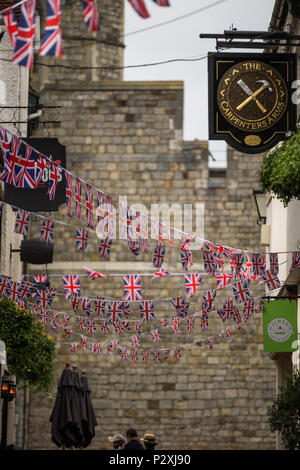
{"x":89,"y":420}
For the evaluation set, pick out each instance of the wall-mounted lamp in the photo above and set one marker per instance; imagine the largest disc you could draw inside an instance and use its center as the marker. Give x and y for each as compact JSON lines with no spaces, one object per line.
{"x":260,"y":202}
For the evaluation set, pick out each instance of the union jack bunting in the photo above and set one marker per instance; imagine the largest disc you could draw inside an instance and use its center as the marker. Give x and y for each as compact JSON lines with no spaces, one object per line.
{"x":74,"y":347}
{"x":110,"y":216}
{"x":209,"y":295}
{"x":140,"y":7}
{"x":104,"y":328}
{"x":41,"y":278}
{"x":96,"y":348}
{"x":228,"y":333}
{"x":135,"y":247}
{"x":94,"y":274}
{"x":186,"y":258}
{"x":163,"y":322}
{"x":43,"y":317}
{"x":204,"y":323}
{"x":222,"y":279}
{"x":44,"y":299}
{"x":82,"y":238}
{"x":47,"y":230}
{"x":53,"y":181}
{"x":159,"y":253}
{"x":175,"y":325}
{"x":65,"y":320}
{"x":122,"y":221}
{"x":210,"y":342}
{"x":26,"y":290}
{"x":22,"y":222}
{"x":147,"y":310}
{"x":177,"y":354}
{"x":190,"y":324}
{"x":144,"y":356}
{"x":100,"y":213}
{"x":227,"y":310}
{"x":156,"y":357}
{"x":135,"y":341}
{"x":144,"y":231}
{"x":100,"y":303}
{"x":134,"y":355}
{"x":126,"y":309}
{"x":124,"y":353}
{"x":83,"y":342}
{"x":258,"y":263}
{"x":104,"y":248}
{"x":52,"y":41}
{"x":81,"y":323}
{"x":271,"y":280}
{"x":67,"y":332}
{"x":71,"y":285}
{"x":180,"y":305}
{"x":247,"y":273}
{"x":207,"y":307}
{"x":118,"y":327}
{"x":30,"y":169}
{"x":11,"y":158}
{"x":68,"y":178}
{"x":236,"y":265}
{"x":167,"y":354}
{"x":75,"y":301}
{"x":235,"y":316}
{"x":89,"y":205}
{"x":13,"y":291}
{"x":295,"y":261}
{"x":3,"y":284}
{"x":90,"y":15}
{"x":132,"y":287}
{"x":114,"y":311}
{"x":274,"y":267}
{"x":210,"y":265}
{"x":192,"y":282}
{"x":241,"y":291}
{"x":11,"y":24}
{"x":260,"y":307}
{"x":91,"y":327}
{"x":78,"y":198}
{"x":248,"y":308}
{"x":160,"y":273}
{"x":86,"y":305}
{"x":155,"y":336}
{"x":23,"y":51}
{"x":112,"y":346}
{"x":138,"y":328}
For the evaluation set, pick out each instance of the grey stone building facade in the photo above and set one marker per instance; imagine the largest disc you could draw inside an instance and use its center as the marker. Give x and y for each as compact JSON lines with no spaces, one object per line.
{"x":126,"y":139}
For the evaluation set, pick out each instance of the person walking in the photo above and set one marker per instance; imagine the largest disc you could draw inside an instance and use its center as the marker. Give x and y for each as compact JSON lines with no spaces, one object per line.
{"x":133,"y":442}
{"x":118,"y":441}
{"x":149,"y":441}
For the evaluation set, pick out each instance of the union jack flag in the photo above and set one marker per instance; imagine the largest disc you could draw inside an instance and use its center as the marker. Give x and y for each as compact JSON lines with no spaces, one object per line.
{"x":192,"y":282}
{"x":132,"y":287}
{"x":104,"y":328}
{"x":26,"y":290}
{"x":235,"y":316}
{"x":228,"y":333}
{"x":71,"y":285}
{"x":47,"y":230}
{"x":274,"y":267}
{"x":175,"y":325}
{"x":295,"y":261}
{"x":68,"y":178}
{"x":167,"y":354}
{"x":155,"y":336}
{"x":204,"y":323}
{"x":91,"y":327}
{"x":11,"y":158}
{"x":191,"y":324}
{"x":124,"y":353}
{"x":144,"y":356}
{"x":248,"y":309}
{"x":236,"y":265}
{"x":114,"y":311}
{"x":90,"y":15}
{"x":11,"y":24}
{"x":43,"y":318}
{"x":100,"y":213}
{"x":147,"y":310}
{"x":209,"y":295}
{"x":210,"y":342}
{"x":86,"y":305}
{"x":82,"y":238}
{"x":177,"y":354}
{"x":138,"y":328}
{"x":241,"y":291}
{"x":110,"y":216}
{"x":162,"y":3}
{"x":260,"y":307}
{"x":81,"y":323}
{"x":89,"y":205}
{"x":22,"y":222}
{"x":271,"y":280}
{"x":3,"y":284}
{"x":75,"y":300}
{"x":94,"y":274}
{"x":160,"y":273}
{"x":118,"y":327}
{"x":186,"y":258}
{"x":112,"y":346}
{"x":74,"y":347}
{"x":65,"y":320}
{"x":53,"y":320}
{"x":163,"y":322}
{"x":100,"y":303}
{"x":53,"y":181}
{"x":126,"y":309}
{"x":180,"y":305}
{"x":156,"y":357}
{"x":210,"y":265}
{"x":135,"y":340}
{"x":207,"y":308}
{"x":41,"y":278}
{"x":258,"y":263}
{"x":67,"y":332}
{"x":13,"y":291}
{"x":104,"y":248}
{"x":144,"y":231}
{"x":140,"y":7}
{"x":223,"y":279}
{"x":135,"y":247}
{"x":78,"y":198}
{"x":30,"y":172}
{"x":158,"y":257}
{"x":44,"y":299}
{"x":227,"y":310}
{"x":96,"y":348}
{"x":23,"y":51}
{"x":52,"y":42}
{"x":134,"y":355}
{"x":83,"y":342}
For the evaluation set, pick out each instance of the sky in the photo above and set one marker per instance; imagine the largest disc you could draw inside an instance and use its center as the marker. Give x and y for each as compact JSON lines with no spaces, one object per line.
{"x":180,"y":39}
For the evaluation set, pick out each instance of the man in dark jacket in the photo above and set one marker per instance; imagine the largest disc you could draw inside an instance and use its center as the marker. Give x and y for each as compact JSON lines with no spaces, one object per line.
{"x":133,"y":442}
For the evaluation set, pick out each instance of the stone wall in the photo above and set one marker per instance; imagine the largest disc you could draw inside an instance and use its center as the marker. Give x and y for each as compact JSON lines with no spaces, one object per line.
{"x":126,"y":139}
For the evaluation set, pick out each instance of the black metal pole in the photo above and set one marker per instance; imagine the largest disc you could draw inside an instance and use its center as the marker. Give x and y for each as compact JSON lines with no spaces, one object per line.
{"x":3,"y":445}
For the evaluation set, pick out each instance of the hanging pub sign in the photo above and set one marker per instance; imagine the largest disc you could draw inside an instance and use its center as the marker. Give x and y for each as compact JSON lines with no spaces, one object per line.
{"x":280,"y":328}
{"x":38,"y":199}
{"x":250,"y":99}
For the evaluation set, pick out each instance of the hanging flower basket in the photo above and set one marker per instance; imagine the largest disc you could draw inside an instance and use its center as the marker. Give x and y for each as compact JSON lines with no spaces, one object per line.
{"x":280,"y":170}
